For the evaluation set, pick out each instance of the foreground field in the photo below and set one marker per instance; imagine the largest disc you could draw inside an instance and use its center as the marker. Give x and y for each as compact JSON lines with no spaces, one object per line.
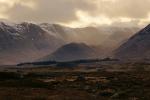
{"x":48,"y":83}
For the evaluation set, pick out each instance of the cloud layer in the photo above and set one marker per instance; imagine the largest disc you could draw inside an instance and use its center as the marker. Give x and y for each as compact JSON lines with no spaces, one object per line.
{"x":77,"y":12}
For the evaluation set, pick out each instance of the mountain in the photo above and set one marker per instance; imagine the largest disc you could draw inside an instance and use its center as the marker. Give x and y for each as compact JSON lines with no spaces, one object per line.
{"x":72,"y":51}
{"x":89,"y":35}
{"x":104,"y":36}
{"x":25,"y":42}
{"x":137,"y":47}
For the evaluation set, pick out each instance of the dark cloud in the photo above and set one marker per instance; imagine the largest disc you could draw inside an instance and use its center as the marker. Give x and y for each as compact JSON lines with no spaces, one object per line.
{"x":50,"y":10}
{"x":64,"y":11}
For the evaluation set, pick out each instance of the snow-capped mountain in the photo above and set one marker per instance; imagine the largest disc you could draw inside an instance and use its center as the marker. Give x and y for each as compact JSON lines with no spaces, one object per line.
{"x":25,"y":42}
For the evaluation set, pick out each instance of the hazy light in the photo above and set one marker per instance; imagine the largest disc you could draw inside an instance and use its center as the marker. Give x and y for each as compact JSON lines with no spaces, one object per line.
{"x":125,"y":19}
{"x":109,"y":0}
{"x":145,"y":21}
{"x":84,"y":19}
{"x":29,"y":3}
{"x":9,"y":2}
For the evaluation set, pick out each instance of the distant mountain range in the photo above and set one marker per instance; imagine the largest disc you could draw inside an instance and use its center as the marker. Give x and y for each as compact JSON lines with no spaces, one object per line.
{"x":91,"y":35}
{"x":137,"y":47}
{"x":26,"y":42}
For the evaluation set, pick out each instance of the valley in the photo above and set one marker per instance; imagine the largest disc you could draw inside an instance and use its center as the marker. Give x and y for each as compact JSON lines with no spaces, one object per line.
{"x":93,"y":80}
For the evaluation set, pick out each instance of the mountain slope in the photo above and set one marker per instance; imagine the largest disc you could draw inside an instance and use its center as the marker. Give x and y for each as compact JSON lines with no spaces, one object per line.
{"x":137,"y":47}
{"x":72,"y":51}
{"x":25,"y":42}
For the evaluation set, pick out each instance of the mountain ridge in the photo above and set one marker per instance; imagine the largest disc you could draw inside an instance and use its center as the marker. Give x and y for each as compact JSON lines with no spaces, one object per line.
{"x":25,"y":42}
{"x":137,"y":47}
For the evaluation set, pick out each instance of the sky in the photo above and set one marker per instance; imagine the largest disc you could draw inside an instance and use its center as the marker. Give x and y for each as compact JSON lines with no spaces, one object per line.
{"x":78,"y":13}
